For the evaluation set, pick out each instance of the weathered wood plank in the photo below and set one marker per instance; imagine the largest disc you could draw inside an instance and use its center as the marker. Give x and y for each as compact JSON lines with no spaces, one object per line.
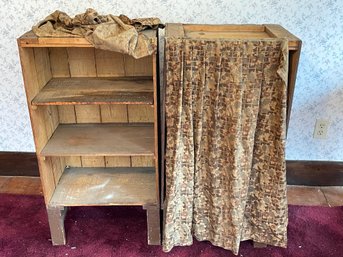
{"x":81,"y":62}
{"x":113,"y":113}
{"x":138,"y":67}
{"x":101,"y":140}
{"x":66,"y":114}
{"x":119,"y":186}
{"x":87,"y":113}
{"x":109,"y":63}
{"x":62,"y":91}
{"x":59,"y":62}
{"x":118,"y":161}
{"x":140,"y":113}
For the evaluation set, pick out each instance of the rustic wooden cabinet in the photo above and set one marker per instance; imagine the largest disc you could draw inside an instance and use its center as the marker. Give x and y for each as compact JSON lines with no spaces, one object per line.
{"x":94,"y":121}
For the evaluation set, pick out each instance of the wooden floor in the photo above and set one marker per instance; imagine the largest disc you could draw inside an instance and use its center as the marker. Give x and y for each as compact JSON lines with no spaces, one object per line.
{"x":299,"y":195}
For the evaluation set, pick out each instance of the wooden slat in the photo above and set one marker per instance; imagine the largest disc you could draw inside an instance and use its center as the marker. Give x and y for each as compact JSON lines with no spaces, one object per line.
{"x":142,"y":161}
{"x":140,"y":113}
{"x":223,"y":27}
{"x":57,"y":167}
{"x":91,"y":161}
{"x":113,"y":113}
{"x":231,"y":31}
{"x":109,"y":64}
{"x":105,"y":186}
{"x":101,"y":140}
{"x":81,"y":62}
{"x":41,"y":57}
{"x":66,"y":114}
{"x":59,"y":62}
{"x":118,"y":161}
{"x":138,"y":67}
{"x":62,"y":91}
{"x":293,"y":62}
{"x":278,"y":31}
{"x":33,"y":84}
{"x":156,"y":129}
{"x":73,"y":161}
{"x":29,"y":39}
{"x":47,"y":177}
{"x":87,"y":113}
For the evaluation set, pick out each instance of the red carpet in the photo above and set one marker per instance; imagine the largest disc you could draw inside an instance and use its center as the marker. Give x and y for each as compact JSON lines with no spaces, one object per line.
{"x":121,"y":231}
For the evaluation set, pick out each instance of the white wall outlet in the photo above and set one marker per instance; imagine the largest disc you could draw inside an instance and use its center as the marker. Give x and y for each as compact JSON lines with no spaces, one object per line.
{"x":321,"y":129}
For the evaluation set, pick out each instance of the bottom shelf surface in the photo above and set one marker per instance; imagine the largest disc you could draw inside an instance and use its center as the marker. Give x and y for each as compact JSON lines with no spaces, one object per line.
{"x":105,"y":186}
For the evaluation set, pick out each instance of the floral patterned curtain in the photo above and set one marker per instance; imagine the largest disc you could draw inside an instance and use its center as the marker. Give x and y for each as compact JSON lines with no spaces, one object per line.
{"x":226,"y":126}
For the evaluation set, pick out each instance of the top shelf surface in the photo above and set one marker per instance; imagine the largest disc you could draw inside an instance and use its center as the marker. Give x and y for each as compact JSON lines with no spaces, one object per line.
{"x":239,"y":31}
{"x":29,"y":39}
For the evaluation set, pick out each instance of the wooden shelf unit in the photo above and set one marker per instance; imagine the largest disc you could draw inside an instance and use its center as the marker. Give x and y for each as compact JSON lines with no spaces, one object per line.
{"x":94,"y":120}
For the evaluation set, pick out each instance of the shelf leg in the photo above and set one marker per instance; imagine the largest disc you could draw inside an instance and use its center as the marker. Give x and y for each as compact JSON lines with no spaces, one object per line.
{"x":56,"y":215}
{"x":154,"y":224}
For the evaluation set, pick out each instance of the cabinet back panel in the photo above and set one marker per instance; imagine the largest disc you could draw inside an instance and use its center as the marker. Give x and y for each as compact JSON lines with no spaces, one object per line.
{"x":90,"y":62}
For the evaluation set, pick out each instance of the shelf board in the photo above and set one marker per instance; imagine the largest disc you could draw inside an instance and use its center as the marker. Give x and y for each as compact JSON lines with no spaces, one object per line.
{"x":123,"y":90}
{"x":29,"y":39}
{"x":101,"y":140}
{"x":105,"y":186}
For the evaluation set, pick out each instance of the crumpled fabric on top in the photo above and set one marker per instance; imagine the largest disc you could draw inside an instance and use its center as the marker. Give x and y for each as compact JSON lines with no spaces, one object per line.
{"x":107,"y":32}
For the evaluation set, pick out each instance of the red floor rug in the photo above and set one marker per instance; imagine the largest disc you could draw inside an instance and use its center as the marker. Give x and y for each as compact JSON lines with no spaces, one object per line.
{"x":121,"y":231}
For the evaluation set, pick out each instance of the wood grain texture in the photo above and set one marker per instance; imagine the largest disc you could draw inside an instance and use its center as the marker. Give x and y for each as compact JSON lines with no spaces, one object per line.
{"x":73,"y":161}
{"x":105,"y":186}
{"x":81,"y":62}
{"x":138,"y":67}
{"x":293,"y":63}
{"x":56,"y":216}
{"x":59,"y":62}
{"x":140,"y":113}
{"x":29,"y":39}
{"x":109,"y":64}
{"x":154,"y":224}
{"x":66,"y":114}
{"x":101,"y":140}
{"x":62,"y":91}
{"x":113,"y":113}
{"x":142,"y":161}
{"x":93,"y":161}
{"x":36,"y":73}
{"x":156,"y":129}
{"x":118,"y":161}
{"x":87,"y":113}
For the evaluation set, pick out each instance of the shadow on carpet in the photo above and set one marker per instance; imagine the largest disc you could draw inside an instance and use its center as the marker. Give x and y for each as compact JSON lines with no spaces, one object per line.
{"x":121,"y":231}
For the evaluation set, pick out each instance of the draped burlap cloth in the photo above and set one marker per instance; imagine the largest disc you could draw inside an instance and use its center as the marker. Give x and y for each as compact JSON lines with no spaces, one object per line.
{"x":107,"y":32}
{"x":225,"y":157}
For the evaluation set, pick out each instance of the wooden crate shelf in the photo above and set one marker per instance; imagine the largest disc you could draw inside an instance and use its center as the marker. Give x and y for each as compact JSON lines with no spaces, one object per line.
{"x":95,"y":90}
{"x":101,"y":140}
{"x":105,"y":186}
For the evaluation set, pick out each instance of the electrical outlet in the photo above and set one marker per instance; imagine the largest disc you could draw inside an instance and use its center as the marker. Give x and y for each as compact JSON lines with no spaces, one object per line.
{"x":321,"y":129}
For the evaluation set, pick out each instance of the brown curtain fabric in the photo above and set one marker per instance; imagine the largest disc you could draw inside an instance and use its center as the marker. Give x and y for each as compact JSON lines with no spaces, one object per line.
{"x":107,"y":32}
{"x":226,"y":123}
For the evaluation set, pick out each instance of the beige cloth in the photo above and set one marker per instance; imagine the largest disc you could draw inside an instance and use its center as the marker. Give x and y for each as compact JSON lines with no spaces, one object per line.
{"x":107,"y":32}
{"x":225,"y":155}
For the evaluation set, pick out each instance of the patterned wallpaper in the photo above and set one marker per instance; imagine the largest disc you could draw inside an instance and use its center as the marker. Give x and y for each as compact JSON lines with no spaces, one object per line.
{"x":319,"y":89}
